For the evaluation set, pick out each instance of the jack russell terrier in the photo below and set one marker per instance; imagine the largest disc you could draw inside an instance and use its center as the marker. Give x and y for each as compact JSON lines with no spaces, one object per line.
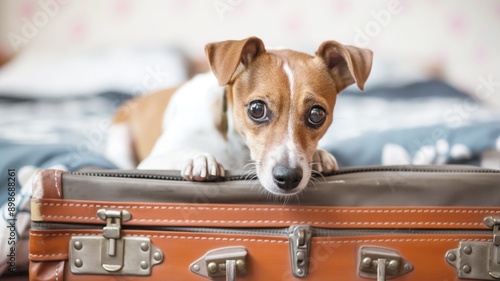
{"x":264,"y":108}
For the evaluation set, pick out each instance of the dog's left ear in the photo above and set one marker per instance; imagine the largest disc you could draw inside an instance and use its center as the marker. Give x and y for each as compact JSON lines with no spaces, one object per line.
{"x":346,"y":64}
{"x":225,"y":57}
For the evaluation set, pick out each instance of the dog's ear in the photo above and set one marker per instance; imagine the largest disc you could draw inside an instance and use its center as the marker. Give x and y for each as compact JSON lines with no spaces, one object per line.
{"x":225,"y":57}
{"x":346,"y":64}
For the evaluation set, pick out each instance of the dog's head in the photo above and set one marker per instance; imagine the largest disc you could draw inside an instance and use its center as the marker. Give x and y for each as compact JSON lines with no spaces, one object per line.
{"x":282,"y":101}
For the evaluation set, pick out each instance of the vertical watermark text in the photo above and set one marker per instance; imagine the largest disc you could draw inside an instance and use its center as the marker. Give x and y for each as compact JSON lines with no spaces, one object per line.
{"x":11,"y":219}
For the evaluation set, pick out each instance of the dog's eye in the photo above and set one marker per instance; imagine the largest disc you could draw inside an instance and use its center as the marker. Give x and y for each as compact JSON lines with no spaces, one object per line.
{"x":317,"y":116}
{"x":257,"y":111}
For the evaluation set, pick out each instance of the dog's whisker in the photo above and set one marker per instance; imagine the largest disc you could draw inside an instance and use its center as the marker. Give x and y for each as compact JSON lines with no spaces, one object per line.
{"x":249,"y":170}
{"x":287,"y":198}
{"x":314,"y":176}
{"x":250,"y":164}
{"x":249,"y":174}
{"x":256,"y":185}
{"x":297,"y":197}
{"x":312,"y":185}
{"x":314,"y":181}
{"x":314,"y":172}
{"x":322,"y":177}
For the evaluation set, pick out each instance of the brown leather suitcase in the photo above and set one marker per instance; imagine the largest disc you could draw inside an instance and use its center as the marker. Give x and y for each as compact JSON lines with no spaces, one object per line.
{"x":373,"y":223}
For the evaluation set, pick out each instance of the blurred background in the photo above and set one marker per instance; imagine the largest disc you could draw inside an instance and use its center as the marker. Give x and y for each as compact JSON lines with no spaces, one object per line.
{"x":458,"y":38}
{"x":433,"y":96}
{"x":67,"y":65}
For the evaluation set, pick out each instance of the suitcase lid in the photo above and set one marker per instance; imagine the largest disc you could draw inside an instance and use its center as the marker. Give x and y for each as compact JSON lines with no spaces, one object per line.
{"x":362,"y":186}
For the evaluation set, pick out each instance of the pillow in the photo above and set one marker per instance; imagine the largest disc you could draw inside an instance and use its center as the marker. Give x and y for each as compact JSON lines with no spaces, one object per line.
{"x":36,"y":74}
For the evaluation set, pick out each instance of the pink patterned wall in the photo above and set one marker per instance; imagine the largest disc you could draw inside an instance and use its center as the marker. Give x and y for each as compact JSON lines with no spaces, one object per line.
{"x":460,"y":37}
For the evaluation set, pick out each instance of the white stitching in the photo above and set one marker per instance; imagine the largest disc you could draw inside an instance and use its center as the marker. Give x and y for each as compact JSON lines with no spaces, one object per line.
{"x":168,"y":237}
{"x":482,"y":211}
{"x":400,"y":240}
{"x":72,"y":217}
{"x":274,"y":240}
{"x":55,"y":183}
{"x":57,"y":272}
{"x":276,"y":221}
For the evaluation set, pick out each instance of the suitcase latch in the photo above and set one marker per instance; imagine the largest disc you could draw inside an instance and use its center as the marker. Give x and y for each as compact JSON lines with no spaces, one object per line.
{"x":381,"y":263}
{"x":227,"y":261}
{"x":111,"y":253}
{"x":478,"y":260}
{"x":300,"y":247}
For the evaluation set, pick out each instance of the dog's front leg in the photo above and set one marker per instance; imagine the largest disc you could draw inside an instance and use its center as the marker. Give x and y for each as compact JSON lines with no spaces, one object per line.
{"x":194,"y":165}
{"x":323,"y":162}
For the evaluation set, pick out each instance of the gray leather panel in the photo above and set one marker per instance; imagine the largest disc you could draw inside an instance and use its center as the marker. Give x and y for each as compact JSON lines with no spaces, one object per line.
{"x":365,"y":186}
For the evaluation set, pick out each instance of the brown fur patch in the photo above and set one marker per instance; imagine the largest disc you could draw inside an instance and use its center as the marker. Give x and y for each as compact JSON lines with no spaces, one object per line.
{"x":144,"y":116}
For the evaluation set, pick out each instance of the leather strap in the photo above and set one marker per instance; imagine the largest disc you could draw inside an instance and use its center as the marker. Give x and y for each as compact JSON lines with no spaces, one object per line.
{"x":227,"y":215}
{"x":48,"y":184}
{"x":47,"y":270}
{"x":51,"y":245}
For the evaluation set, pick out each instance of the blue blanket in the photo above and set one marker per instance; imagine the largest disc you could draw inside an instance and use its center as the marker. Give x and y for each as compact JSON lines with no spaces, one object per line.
{"x":421,"y":123}
{"x":15,"y":156}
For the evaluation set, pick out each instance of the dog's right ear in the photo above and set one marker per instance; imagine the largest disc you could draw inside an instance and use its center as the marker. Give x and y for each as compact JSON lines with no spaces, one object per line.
{"x":225,"y":57}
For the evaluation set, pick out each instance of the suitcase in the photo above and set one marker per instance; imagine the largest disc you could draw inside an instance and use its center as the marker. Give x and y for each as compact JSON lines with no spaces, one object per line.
{"x":372,"y":223}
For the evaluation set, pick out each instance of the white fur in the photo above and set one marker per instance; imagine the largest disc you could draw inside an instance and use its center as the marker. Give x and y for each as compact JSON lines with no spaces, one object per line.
{"x":119,"y":146}
{"x":189,"y":129}
{"x":289,"y":75}
{"x":290,"y":147}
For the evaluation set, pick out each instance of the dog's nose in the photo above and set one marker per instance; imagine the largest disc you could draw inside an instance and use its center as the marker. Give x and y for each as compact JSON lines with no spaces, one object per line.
{"x":287,"y":178}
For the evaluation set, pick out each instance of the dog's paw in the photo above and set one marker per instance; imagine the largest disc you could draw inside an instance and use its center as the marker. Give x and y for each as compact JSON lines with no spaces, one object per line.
{"x":324,"y":162}
{"x":202,"y":167}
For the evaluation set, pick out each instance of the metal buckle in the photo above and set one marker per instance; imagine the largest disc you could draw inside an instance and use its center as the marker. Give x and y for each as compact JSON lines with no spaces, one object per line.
{"x":478,"y":260}
{"x":494,"y":254}
{"x":227,"y":261}
{"x":112,"y":252}
{"x":381,"y":263}
{"x":300,"y":248}
{"x":117,"y":255}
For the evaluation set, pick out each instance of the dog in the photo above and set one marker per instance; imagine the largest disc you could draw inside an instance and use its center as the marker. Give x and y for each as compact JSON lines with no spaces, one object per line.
{"x":264,"y":108}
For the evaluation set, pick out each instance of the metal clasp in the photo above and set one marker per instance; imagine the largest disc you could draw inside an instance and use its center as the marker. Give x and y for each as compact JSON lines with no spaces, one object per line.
{"x":478,"y":260}
{"x":300,"y":248}
{"x":227,"y":261}
{"x":494,"y":255}
{"x":112,"y":253}
{"x":141,"y":254}
{"x":381,"y":263}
